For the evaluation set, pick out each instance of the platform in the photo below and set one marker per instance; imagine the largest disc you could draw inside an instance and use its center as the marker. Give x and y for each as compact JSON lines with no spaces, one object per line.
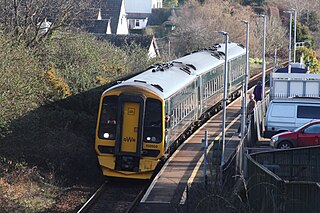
{"x":184,"y":167}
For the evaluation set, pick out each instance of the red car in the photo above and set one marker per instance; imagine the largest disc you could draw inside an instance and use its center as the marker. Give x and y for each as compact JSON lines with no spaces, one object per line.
{"x":306,"y":135}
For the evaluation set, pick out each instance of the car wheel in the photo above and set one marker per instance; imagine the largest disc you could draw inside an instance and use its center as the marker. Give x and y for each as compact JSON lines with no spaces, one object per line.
{"x":285,"y":145}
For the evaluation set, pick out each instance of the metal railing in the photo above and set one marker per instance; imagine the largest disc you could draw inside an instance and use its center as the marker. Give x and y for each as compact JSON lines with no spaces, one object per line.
{"x":284,"y":180}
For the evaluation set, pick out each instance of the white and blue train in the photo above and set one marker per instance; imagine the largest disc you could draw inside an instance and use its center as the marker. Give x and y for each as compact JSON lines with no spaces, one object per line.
{"x":141,"y":119}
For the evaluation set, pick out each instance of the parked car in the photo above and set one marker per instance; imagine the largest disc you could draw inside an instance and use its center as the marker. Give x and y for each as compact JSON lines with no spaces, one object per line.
{"x":289,"y":114}
{"x":306,"y":135}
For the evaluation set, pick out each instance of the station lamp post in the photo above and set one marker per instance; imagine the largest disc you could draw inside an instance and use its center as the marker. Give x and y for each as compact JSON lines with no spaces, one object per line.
{"x":295,"y":36}
{"x":243,"y":122}
{"x":225,"y":81}
{"x":263,"y":55}
{"x":290,"y":30}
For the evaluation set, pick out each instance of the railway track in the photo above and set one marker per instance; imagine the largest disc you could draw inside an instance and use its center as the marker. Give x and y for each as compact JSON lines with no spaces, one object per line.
{"x":115,"y":195}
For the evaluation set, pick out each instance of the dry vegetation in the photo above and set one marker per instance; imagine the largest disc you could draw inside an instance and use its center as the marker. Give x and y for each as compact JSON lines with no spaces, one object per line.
{"x":49,"y":98}
{"x":198,"y":24}
{"x":50,"y":86}
{"x":23,"y":189}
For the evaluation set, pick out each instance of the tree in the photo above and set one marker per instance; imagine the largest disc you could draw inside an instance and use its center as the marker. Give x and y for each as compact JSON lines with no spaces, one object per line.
{"x":23,"y":18}
{"x":310,"y":56}
{"x":181,"y":2}
{"x":247,"y":2}
{"x":197,"y":23}
{"x":311,"y":19}
{"x":170,"y":3}
{"x":303,"y":34}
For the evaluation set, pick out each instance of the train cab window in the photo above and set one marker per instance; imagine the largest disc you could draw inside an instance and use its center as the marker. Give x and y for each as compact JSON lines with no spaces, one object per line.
{"x":153,"y":121}
{"x":108,"y":118}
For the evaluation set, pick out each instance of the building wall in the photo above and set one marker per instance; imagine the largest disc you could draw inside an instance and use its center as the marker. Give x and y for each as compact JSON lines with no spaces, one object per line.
{"x":142,"y":6}
{"x":156,"y":3}
{"x":122,"y":24}
{"x":142,"y":23}
{"x":153,"y":50}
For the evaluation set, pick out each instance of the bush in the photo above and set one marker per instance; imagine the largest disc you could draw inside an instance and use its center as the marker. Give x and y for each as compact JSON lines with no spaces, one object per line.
{"x":22,"y":85}
{"x":81,"y":62}
{"x":310,"y":55}
{"x":49,"y":101}
{"x":255,"y":60}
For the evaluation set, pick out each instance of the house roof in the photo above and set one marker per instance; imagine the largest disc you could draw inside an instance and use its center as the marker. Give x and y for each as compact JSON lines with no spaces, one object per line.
{"x":121,"y":40}
{"x":98,"y":26}
{"x":110,"y":9}
{"x":138,"y":15}
{"x":138,"y":6}
{"x":92,"y":25}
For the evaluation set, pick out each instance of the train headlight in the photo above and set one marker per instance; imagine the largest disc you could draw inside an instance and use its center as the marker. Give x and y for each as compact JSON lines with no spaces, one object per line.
{"x":153,"y":139}
{"x":106,"y":135}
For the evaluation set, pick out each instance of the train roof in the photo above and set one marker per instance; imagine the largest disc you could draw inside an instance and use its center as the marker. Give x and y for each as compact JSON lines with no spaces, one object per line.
{"x":167,"y":78}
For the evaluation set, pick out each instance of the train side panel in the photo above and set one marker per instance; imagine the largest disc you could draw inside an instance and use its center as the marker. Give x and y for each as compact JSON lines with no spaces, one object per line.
{"x":237,"y":70}
{"x":182,"y":112}
{"x":212,"y":90}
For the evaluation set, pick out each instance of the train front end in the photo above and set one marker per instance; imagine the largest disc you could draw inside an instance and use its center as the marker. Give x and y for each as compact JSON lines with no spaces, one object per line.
{"x":130,"y":132}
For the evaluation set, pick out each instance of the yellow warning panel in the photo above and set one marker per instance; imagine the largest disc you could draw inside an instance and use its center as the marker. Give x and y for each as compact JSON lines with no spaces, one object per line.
{"x":130,"y":126}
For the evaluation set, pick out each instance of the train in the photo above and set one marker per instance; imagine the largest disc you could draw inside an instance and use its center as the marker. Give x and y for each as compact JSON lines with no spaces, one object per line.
{"x":142,"y":119}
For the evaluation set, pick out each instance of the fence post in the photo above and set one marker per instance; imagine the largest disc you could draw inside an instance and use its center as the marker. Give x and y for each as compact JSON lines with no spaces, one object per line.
{"x":205,"y":145}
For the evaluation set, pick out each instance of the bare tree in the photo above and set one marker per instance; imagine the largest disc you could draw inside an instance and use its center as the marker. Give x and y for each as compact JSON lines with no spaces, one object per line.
{"x":25,"y":18}
{"x":196,"y":25}
{"x":301,"y":5}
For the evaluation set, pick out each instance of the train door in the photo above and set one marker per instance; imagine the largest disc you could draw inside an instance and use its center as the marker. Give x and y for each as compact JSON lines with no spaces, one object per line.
{"x":229,"y":78}
{"x":130,"y":124}
{"x":199,"y":96}
{"x":129,"y":140}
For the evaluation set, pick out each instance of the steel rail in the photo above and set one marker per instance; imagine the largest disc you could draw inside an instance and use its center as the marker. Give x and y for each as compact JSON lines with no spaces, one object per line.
{"x":93,"y":198}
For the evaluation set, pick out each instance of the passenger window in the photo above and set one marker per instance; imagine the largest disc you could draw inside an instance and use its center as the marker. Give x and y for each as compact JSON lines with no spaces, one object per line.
{"x":312,"y":112}
{"x":314,"y":129}
{"x":153,"y":121}
{"x":108,"y":118}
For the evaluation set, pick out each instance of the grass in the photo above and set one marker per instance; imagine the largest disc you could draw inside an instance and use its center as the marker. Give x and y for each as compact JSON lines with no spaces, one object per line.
{"x":22,"y":189}
{"x":48,"y":162}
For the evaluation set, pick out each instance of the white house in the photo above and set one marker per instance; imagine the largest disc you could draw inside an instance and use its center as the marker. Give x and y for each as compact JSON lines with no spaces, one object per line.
{"x":138,"y":12}
{"x":141,"y":6}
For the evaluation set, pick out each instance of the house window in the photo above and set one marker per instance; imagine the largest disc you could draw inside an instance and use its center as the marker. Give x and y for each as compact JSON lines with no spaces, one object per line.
{"x":137,"y":23}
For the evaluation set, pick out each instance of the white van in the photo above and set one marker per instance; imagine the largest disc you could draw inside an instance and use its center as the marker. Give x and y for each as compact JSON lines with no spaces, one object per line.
{"x":289,"y":114}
